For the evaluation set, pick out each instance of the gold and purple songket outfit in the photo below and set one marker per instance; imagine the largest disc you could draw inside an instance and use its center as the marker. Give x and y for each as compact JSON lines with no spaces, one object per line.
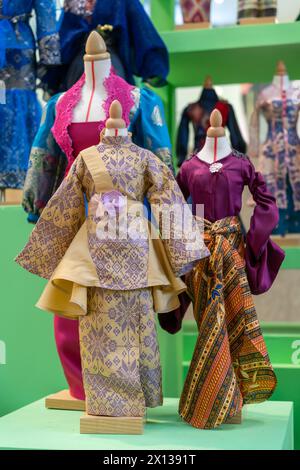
{"x":230,"y":365}
{"x":114,"y":285}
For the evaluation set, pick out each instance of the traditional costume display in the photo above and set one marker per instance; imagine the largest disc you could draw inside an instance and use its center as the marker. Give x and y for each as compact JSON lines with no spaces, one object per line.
{"x":198,"y":114}
{"x":20,"y":111}
{"x":280,"y":155}
{"x":114,"y":284}
{"x":230,"y":365}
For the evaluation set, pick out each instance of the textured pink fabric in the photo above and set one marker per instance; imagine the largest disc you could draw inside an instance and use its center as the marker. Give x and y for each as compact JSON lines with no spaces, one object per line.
{"x":64,"y":115}
{"x":83,"y":135}
{"x":116,"y":88}
{"x":67,"y":342}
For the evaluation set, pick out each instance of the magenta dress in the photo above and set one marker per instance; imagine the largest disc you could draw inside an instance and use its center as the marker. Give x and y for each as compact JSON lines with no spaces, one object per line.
{"x":83,"y":135}
{"x":220,"y":192}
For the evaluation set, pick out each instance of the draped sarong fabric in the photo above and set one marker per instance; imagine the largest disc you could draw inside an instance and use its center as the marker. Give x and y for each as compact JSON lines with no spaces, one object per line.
{"x":230,"y":365}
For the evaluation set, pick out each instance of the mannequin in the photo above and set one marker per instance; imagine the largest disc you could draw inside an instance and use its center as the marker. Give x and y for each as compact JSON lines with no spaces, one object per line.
{"x":220,"y":287}
{"x":216,"y":144}
{"x":281,"y":79}
{"x":115,"y":283}
{"x":71,"y":124}
{"x":115,"y":126}
{"x":198,"y":113}
{"x":97,"y":65}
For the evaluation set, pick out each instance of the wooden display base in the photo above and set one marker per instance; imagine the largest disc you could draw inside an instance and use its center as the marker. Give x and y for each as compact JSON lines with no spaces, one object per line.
{"x":64,"y":401}
{"x":111,"y":425}
{"x":188,"y":26}
{"x":291,"y":240}
{"x":11,"y":197}
{"x":237,"y":419}
{"x":262,"y":20}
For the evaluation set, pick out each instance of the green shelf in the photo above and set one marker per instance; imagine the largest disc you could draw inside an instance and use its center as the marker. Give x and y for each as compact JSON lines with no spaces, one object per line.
{"x":237,"y":54}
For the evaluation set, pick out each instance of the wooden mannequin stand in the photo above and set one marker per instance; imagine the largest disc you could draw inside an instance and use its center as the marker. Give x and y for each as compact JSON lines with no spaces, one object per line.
{"x":261,"y":20}
{"x":190,"y":26}
{"x":63,"y":400}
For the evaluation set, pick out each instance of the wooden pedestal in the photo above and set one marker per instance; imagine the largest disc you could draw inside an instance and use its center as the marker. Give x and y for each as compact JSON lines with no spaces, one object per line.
{"x":237,"y":419}
{"x":64,"y":401}
{"x":291,"y":239}
{"x":187,"y":26}
{"x":11,"y":197}
{"x":111,"y":425}
{"x":262,"y":20}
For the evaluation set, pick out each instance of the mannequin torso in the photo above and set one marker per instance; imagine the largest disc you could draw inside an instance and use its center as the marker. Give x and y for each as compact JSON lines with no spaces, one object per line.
{"x":93,"y":93}
{"x":215,"y":148}
{"x":281,"y":82}
{"x":116,"y":132}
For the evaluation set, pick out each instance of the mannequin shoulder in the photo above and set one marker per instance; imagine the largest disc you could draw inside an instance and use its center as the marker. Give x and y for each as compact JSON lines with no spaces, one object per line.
{"x":59,"y":97}
{"x":240,"y":155}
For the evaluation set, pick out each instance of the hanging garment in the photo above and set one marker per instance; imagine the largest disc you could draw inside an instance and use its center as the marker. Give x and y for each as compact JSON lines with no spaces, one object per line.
{"x":136,"y":47}
{"x":257,"y":8}
{"x":198,"y":114}
{"x":195,"y":11}
{"x":280,"y":156}
{"x":113,"y":284}
{"x":230,"y":365}
{"x":20,"y":111}
{"x":52,"y":152}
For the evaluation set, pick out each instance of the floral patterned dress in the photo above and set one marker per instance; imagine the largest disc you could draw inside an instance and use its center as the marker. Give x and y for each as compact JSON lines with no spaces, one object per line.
{"x":20,"y":111}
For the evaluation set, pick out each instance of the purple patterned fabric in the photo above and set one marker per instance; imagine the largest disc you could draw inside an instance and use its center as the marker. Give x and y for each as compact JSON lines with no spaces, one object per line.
{"x":221,"y":194}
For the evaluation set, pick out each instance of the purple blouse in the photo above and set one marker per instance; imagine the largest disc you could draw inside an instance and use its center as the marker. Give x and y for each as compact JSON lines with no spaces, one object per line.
{"x":220,"y":192}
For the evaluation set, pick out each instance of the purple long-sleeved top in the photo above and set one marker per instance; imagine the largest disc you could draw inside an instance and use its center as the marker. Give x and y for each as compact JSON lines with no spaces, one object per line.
{"x":220,"y":192}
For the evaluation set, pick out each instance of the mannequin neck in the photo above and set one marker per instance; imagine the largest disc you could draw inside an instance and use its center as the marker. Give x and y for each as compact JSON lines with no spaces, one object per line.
{"x":116,"y":132}
{"x":96,"y":72}
{"x":218,"y":145}
{"x":281,"y":81}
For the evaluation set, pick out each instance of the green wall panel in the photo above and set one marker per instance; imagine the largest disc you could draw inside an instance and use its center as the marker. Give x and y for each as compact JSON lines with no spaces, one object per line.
{"x":29,"y":366}
{"x":235,"y":54}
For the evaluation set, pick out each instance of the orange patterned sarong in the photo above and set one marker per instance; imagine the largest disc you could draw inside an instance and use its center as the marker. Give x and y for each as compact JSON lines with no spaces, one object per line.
{"x":230,"y":365}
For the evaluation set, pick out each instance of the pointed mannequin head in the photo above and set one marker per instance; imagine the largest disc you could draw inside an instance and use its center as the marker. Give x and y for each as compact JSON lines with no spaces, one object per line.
{"x":216,"y":129}
{"x":115,"y":125}
{"x":281,"y":68}
{"x":95,"y":48}
{"x":208,"y":83}
{"x":115,"y":120}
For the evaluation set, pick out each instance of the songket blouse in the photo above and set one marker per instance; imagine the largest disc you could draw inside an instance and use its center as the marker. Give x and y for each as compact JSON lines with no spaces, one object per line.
{"x":65,"y":246}
{"x":218,"y":188}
